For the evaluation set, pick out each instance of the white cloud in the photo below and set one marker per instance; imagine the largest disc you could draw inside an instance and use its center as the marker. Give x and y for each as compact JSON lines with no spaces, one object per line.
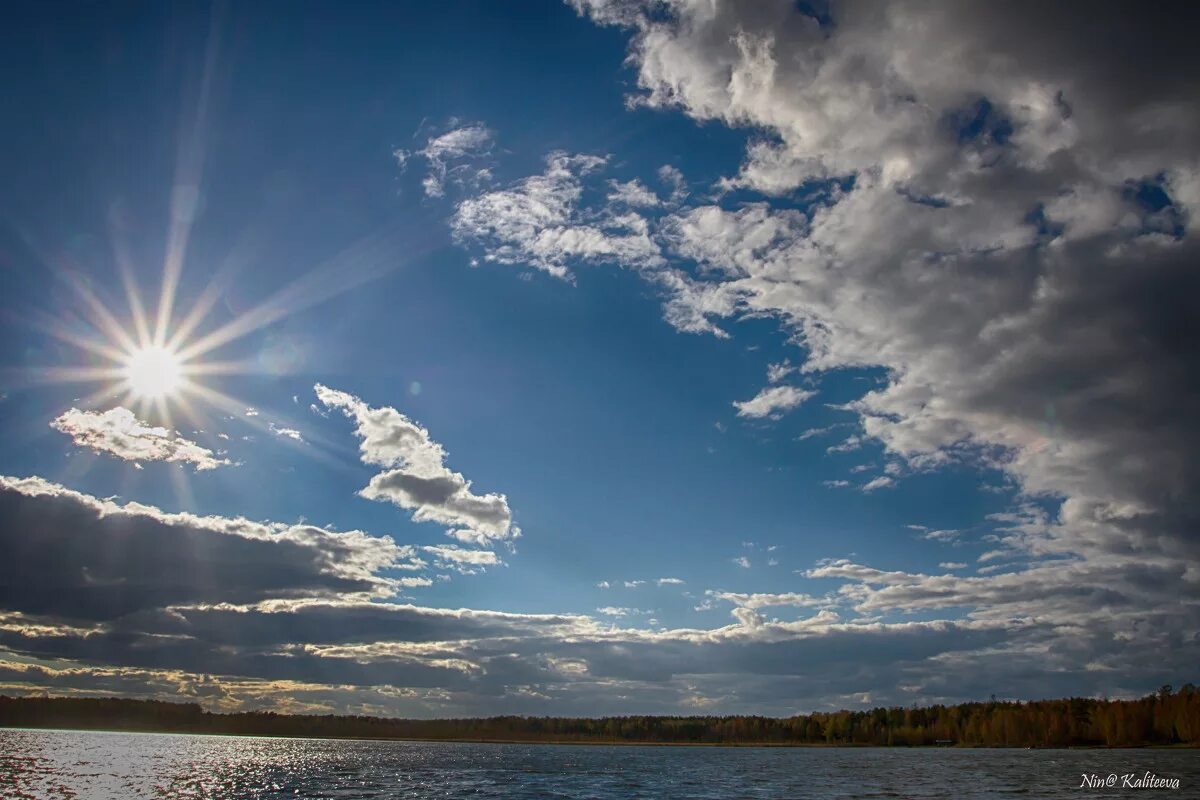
{"x":742,"y":562}
{"x":779,"y":371}
{"x":669,"y":582}
{"x":880,"y":482}
{"x":673,"y":178}
{"x":633,"y":193}
{"x":287,"y":433}
{"x":119,"y":433}
{"x":617,"y":611}
{"x":417,"y":478}
{"x":771,"y":401}
{"x":538,"y":222}
{"x":767,"y":600}
{"x":970,"y":229}
{"x":461,"y":559}
{"x":943,"y":535}
{"x":849,"y":444}
{"x":460,"y":143}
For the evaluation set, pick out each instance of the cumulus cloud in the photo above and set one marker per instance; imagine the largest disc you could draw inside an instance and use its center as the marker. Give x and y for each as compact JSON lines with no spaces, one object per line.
{"x":417,"y":478}
{"x":977,"y":223}
{"x":772,"y":401}
{"x":118,"y":432}
{"x":992,"y":207}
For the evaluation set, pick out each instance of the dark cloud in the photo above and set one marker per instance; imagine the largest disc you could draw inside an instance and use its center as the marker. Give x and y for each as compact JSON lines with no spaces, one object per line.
{"x":72,"y":556}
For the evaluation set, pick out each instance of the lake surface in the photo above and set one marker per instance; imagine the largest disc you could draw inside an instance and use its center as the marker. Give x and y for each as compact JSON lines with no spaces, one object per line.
{"x":87,"y":765}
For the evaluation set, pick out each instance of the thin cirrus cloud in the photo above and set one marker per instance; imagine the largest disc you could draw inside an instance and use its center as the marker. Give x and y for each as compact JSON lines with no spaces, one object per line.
{"x":445,"y":155}
{"x":119,"y":433}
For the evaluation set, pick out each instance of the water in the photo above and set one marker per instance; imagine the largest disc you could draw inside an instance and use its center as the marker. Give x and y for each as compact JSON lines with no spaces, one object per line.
{"x":98,"y":766}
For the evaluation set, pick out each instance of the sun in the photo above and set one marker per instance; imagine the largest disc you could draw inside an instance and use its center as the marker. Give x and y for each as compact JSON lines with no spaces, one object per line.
{"x":153,"y":373}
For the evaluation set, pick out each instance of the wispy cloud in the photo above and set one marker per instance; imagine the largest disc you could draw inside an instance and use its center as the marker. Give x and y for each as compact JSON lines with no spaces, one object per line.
{"x":118,"y":432}
{"x":772,"y":401}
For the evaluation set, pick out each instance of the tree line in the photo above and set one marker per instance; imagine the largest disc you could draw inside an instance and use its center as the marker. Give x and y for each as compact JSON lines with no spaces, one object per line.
{"x":1167,"y":717}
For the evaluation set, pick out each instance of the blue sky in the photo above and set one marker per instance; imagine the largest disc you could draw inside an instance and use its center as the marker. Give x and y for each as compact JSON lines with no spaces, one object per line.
{"x":557,"y":241}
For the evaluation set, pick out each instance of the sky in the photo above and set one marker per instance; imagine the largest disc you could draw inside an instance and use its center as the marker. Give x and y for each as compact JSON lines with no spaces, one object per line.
{"x":604,"y":357}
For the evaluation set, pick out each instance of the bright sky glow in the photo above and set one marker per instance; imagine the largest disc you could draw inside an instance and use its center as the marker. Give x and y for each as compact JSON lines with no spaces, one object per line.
{"x":153,"y":372}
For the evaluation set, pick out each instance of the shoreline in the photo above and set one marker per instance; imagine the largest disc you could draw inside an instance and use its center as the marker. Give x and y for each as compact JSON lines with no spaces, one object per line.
{"x":599,"y":742}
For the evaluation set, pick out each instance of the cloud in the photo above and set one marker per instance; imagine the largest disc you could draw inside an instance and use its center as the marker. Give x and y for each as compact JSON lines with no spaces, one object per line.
{"x":461,"y":559}
{"x":1001,"y":224}
{"x":779,"y":371}
{"x":288,"y":433}
{"x":1004,"y":224}
{"x":417,"y":478}
{"x":767,"y":600}
{"x":670,"y":582}
{"x":101,"y":597}
{"x":880,"y":482}
{"x":79,"y":557}
{"x":848,"y":445}
{"x":742,"y":562}
{"x":538,"y":222}
{"x":771,"y":401}
{"x":633,"y":193}
{"x":119,"y":433}
{"x":465,"y":142}
{"x":975,"y":231}
{"x":616,"y":611}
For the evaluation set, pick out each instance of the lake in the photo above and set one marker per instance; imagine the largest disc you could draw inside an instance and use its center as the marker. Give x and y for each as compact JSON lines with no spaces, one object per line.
{"x":98,"y":766}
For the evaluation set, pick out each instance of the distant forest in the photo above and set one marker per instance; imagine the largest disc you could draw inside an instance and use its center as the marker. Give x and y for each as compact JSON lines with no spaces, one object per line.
{"x":1164,"y":718}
